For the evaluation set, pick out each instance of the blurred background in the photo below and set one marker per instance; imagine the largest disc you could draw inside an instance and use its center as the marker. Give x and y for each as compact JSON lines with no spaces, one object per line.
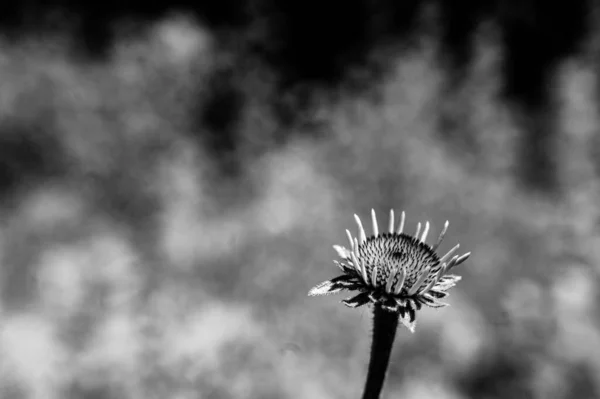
{"x":173,"y":176}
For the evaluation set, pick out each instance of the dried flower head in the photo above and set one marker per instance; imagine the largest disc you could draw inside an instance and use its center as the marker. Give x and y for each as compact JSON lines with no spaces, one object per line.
{"x":399,"y":271}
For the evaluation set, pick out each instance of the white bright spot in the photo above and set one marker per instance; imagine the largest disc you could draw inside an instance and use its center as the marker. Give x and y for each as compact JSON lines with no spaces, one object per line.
{"x":32,"y":356}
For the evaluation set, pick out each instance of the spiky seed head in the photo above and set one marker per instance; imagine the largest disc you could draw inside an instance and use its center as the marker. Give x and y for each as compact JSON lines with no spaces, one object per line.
{"x":397,"y":270}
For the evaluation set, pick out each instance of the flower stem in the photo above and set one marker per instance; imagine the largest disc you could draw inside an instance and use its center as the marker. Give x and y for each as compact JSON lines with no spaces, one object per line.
{"x":384,"y":331}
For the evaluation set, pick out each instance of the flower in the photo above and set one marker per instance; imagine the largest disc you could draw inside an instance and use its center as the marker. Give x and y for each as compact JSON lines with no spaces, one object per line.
{"x":396,"y":270}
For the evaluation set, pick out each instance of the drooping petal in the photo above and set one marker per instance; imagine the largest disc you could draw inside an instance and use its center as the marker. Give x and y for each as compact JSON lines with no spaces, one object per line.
{"x":375,"y":295}
{"x":415,"y":304}
{"x":325,"y":288}
{"x":432,"y":302}
{"x":446,"y":282}
{"x":438,"y":294}
{"x":357,"y":300}
{"x":345,"y":281}
{"x":411,"y":311}
{"x":408,"y":318}
{"x":344,"y":266}
{"x":342,"y":279}
{"x":401,"y":302}
{"x":391,"y":224}
{"x":342,"y":252}
{"x":390,"y":308}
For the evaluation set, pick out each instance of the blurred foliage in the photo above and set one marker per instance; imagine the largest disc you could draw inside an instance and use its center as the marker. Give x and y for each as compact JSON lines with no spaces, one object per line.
{"x":136,"y":263}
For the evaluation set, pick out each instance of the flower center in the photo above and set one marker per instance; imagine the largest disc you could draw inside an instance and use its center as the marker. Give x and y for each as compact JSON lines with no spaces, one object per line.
{"x":389,"y":252}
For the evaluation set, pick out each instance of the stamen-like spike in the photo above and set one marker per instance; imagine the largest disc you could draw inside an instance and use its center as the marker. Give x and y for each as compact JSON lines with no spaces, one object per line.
{"x":425,"y":232}
{"x":374,"y":276}
{"x":418,"y":230}
{"x":400,"y":282}
{"x":441,"y":236}
{"x":391,"y":225}
{"x":350,"y":239}
{"x":437,"y":278}
{"x":449,"y":254}
{"x":460,"y":259}
{"x":361,"y":231}
{"x":452,"y":261}
{"x":413,"y":290}
{"x":364,"y":271}
{"x":375,"y":227}
{"x":390,"y":281}
{"x":361,"y":265}
{"x":355,"y":263}
{"x":401,"y":226}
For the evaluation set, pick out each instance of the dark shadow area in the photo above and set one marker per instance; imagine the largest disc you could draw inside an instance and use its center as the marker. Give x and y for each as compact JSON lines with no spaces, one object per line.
{"x":316,"y":45}
{"x":218,"y":118}
{"x":29,"y":153}
{"x":315,"y":42}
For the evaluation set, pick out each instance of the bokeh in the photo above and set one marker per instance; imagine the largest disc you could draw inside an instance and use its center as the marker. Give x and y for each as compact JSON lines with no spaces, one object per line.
{"x":135,"y":263}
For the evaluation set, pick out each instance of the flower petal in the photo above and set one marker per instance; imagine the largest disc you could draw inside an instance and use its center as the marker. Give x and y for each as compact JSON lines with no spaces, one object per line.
{"x":391,"y":224}
{"x":374,"y":220}
{"x":441,"y":236}
{"x":401,"y":225}
{"x":361,"y":231}
{"x":344,"y":266}
{"x":375,"y":295}
{"x":334,"y":285}
{"x":345,"y":281}
{"x":342,"y":252}
{"x":432,"y":302}
{"x":425,"y":232}
{"x":409,"y":317}
{"x":438,"y":294}
{"x":460,"y":259}
{"x":422,"y":277}
{"x":350,"y":239}
{"x":357,"y":300}
{"x":401,"y":302}
{"x":449,"y":253}
{"x":325,"y":288}
{"x":390,"y":308}
{"x":374,"y":275}
{"x":415,"y":304}
{"x":435,"y":279}
{"x":400,"y":282}
{"x":446,"y":282}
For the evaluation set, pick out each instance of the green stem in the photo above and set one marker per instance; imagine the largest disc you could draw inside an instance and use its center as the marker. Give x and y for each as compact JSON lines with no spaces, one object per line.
{"x":384,"y":331}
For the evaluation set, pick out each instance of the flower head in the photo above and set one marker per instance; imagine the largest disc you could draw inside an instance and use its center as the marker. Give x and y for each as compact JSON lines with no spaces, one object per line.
{"x":399,"y":271}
